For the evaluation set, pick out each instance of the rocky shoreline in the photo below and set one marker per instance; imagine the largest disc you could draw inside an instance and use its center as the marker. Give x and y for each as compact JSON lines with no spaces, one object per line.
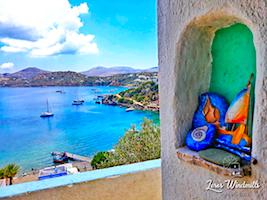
{"x":113,"y":100}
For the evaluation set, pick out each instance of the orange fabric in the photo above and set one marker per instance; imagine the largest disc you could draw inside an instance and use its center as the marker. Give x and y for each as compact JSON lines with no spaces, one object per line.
{"x":237,"y":135}
{"x":211,"y":113}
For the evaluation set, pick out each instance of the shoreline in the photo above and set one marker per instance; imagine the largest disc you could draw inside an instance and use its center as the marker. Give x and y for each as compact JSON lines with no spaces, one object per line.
{"x":109,"y":100}
{"x":27,"y":174}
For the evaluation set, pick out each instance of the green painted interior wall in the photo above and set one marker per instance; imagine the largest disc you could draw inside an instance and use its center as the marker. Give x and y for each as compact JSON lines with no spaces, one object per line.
{"x":234,"y":59}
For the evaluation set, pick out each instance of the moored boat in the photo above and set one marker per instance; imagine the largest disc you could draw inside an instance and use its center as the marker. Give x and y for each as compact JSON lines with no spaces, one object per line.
{"x":129,"y":109}
{"x":60,"y":91}
{"x":47,"y":113}
{"x":78,"y":102}
{"x":60,"y":158}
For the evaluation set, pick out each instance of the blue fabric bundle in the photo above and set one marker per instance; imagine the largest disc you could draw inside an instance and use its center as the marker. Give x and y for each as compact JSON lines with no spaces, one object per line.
{"x":201,"y":138}
{"x":203,"y":133}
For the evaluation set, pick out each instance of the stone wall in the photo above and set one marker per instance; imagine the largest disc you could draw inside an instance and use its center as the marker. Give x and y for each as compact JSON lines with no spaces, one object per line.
{"x":186,"y":30}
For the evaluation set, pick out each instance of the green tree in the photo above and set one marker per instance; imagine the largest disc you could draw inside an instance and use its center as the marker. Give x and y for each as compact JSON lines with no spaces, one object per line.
{"x":98,"y":158}
{"x":2,"y":174}
{"x":10,"y":172}
{"x":135,"y":146}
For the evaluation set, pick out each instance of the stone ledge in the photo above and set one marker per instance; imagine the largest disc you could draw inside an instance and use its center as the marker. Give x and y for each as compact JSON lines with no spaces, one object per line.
{"x":192,"y":157}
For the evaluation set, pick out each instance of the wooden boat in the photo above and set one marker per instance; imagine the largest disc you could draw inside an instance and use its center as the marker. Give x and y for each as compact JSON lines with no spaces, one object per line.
{"x":47,"y":113}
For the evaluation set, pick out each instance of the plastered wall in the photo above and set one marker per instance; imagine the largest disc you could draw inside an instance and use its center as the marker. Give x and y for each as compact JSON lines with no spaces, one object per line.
{"x":186,"y":29}
{"x":144,"y":185}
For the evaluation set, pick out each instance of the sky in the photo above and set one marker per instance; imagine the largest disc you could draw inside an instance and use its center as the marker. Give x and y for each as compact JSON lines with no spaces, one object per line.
{"x":77,"y":34}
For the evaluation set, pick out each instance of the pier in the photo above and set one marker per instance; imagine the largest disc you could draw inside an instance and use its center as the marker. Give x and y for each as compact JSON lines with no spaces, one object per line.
{"x":72,"y":156}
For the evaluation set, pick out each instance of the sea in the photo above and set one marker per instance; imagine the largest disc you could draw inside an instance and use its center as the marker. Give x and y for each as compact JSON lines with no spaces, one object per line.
{"x":28,"y":140}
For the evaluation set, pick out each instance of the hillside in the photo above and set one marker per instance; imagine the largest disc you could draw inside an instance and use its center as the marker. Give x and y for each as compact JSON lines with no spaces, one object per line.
{"x":143,"y":97}
{"x":145,"y":93}
{"x":130,"y":80}
{"x":33,"y":77}
{"x":68,"y":78}
{"x":26,"y":73}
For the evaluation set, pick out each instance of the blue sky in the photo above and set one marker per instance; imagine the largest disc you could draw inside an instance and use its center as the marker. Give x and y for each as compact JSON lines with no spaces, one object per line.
{"x":77,"y":34}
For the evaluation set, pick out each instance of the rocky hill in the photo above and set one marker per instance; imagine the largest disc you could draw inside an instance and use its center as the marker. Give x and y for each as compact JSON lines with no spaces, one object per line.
{"x":33,"y":77}
{"x":26,"y":73}
{"x":143,"y":97}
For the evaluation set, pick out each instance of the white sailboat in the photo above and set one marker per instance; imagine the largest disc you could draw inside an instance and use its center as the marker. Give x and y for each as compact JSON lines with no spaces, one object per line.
{"x":47,"y":113}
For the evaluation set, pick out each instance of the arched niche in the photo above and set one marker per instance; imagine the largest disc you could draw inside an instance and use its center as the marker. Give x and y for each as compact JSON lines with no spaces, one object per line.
{"x":233,"y":61}
{"x":197,"y":71}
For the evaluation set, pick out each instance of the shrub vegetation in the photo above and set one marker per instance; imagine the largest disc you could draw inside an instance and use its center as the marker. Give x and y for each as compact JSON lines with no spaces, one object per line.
{"x":134,"y":146}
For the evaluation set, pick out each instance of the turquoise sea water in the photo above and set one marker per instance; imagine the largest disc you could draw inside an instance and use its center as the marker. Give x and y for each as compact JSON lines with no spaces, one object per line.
{"x":28,"y":140}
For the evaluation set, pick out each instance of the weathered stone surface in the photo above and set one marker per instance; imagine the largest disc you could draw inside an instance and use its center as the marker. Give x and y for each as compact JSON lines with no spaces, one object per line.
{"x":194,"y":158}
{"x":185,"y":30}
{"x":220,"y":157}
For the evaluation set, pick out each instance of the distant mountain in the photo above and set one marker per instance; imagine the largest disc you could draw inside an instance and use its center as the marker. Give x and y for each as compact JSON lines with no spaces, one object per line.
{"x":26,"y":73}
{"x":152,"y":69}
{"x":117,"y":76}
{"x":109,"y":71}
{"x":61,"y":78}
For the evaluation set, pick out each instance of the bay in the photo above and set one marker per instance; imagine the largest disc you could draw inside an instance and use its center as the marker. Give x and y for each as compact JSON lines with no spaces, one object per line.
{"x":27,"y":140}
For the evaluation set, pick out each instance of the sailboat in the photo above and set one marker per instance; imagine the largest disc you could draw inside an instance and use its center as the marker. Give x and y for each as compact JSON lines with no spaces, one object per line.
{"x":237,"y":116}
{"x":47,"y":113}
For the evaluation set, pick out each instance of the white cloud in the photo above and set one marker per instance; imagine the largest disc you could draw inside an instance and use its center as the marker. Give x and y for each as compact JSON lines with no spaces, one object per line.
{"x":44,"y":27}
{"x":8,"y":65}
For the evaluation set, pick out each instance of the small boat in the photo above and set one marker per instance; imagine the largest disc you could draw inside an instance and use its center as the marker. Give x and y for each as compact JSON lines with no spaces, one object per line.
{"x":47,"y":113}
{"x":60,"y":91}
{"x":129,"y":109}
{"x":77,"y":103}
{"x":80,"y":100}
{"x":60,"y":159}
{"x":98,"y":102}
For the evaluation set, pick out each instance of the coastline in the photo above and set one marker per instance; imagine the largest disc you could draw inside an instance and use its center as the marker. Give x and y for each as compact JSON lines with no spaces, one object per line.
{"x":112,"y":101}
{"x":59,"y":103}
